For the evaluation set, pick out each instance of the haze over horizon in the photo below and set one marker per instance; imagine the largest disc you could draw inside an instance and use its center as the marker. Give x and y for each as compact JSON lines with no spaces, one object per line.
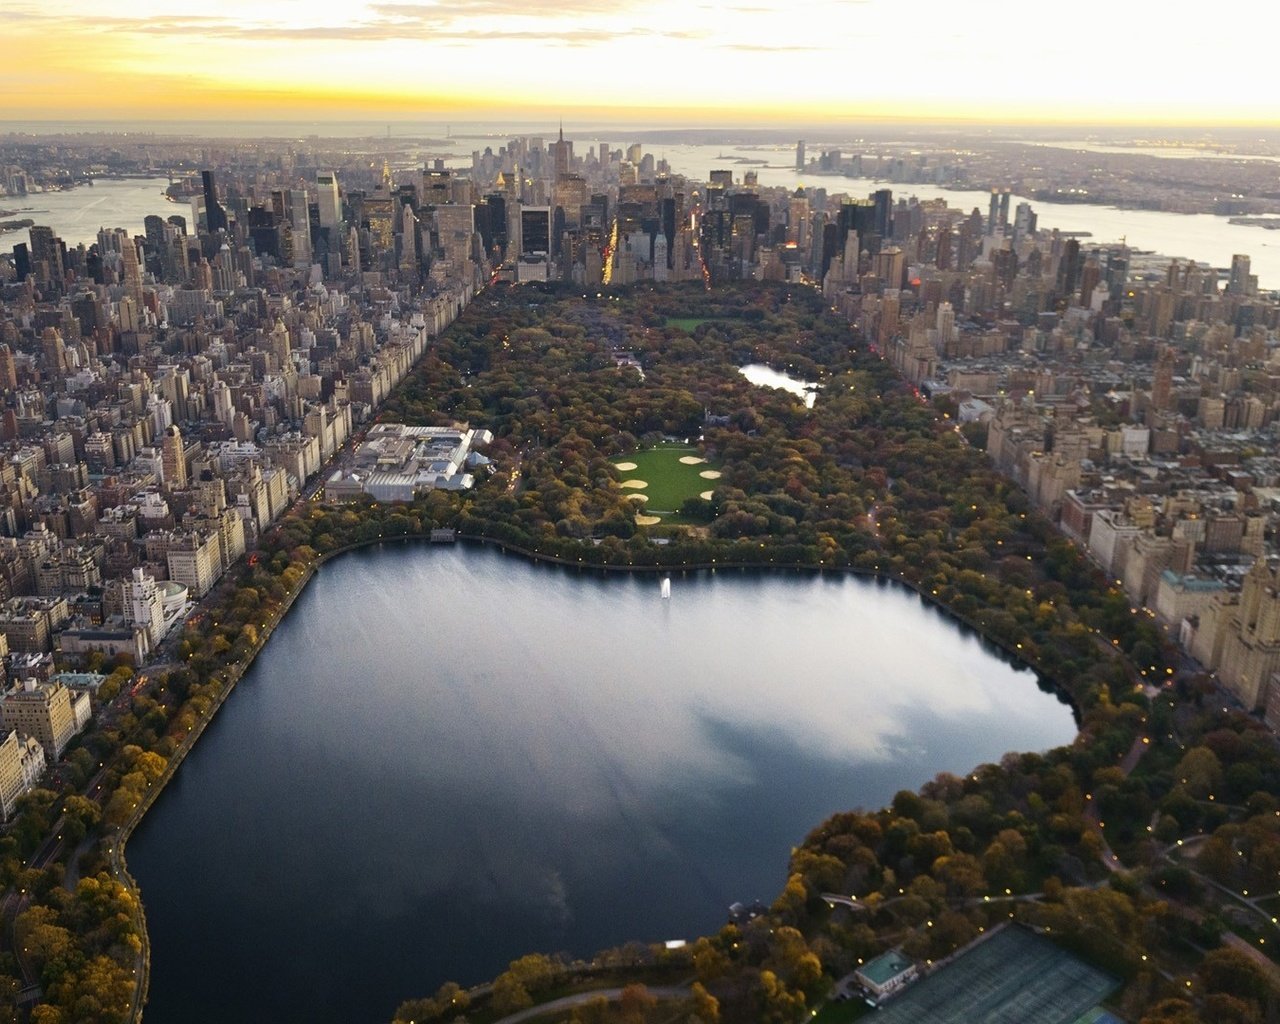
{"x":750,"y":62}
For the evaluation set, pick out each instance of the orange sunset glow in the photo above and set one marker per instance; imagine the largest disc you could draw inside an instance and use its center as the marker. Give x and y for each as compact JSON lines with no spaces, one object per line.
{"x":741,"y":62}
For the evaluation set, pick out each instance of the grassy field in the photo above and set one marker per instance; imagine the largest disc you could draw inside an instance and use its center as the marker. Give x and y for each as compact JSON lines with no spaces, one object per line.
{"x":670,"y":481}
{"x":839,"y":1013}
{"x":689,"y":324}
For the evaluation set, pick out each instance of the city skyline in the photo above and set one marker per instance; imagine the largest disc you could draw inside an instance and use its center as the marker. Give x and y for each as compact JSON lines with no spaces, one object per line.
{"x":844,"y":61}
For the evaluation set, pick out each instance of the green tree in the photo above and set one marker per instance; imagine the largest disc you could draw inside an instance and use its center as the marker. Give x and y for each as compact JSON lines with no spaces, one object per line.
{"x":41,"y":937}
{"x":1229,"y":971}
{"x":1199,"y":772}
{"x":509,"y":995}
{"x":709,"y":961}
{"x":776,"y":1005}
{"x":703,"y":1005}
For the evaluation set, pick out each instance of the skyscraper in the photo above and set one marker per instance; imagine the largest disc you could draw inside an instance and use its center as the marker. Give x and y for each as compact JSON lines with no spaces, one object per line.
{"x":215,"y":216}
{"x":436,"y":186}
{"x":300,"y":223}
{"x":946,"y":323}
{"x":1024,"y":222}
{"x":1069,"y":267}
{"x":329,"y":201}
{"x":131,"y":272}
{"x":154,"y":246}
{"x":798,"y":218}
{"x":800,"y":165}
{"x":493,"y":225}
{"x":1162,"y":381}
{"x":561,"y":155}
{"x":1117,"y":271}
{"x":535,"y":230}
{"x":46,"y":255}
{"x":264,"y":231}
{"x":173,"y":458}
{"x":379,"y":216}
{"x":883,"y":199}
{"x":1090,"y":275}
{"x":408,"y":240}
{"x":54,"y":351}
{"x":281,"y":204}
{"x":22,"y":261}
{"x":1238,"y":282}
{"x":8,"y":369}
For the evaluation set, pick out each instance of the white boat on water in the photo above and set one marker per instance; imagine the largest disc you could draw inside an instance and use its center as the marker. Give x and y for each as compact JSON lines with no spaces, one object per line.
{"x":666,"y":587}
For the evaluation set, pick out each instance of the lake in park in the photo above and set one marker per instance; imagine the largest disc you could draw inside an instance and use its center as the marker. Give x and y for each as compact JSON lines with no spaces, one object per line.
{"x":447,"y":757}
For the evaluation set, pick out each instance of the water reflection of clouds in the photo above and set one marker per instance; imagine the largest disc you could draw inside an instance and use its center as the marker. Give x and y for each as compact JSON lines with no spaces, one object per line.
{"x":592,"y":696}
{"x":573,"y":713}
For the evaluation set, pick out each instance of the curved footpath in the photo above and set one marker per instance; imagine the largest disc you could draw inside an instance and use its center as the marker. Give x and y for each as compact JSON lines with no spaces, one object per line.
{"x":231,"y":675}
{"x":579,"y":998}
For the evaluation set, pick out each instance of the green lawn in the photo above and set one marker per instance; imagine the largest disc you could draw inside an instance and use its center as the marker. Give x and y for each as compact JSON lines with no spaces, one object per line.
{"x":670,"y":481}
{"x":689,"y":324}
{"x":839,"y":1013}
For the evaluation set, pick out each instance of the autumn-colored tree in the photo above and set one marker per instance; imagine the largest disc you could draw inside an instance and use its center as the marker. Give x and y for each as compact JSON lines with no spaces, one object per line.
{"x":509,"y":995}
{"x":703,"y":1005}
{"x":1172,"y":1011}
{"x":1229,"y":971}
{"x":634,"y":1002}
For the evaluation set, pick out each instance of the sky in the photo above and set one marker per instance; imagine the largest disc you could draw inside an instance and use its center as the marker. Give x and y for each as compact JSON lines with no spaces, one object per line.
{"x":1147,"y":62}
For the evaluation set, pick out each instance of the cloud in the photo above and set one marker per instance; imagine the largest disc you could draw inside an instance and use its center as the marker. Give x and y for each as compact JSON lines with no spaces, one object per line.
{"x":380,"y":32}
{"x":107,"y":23}
{"x":833,"y":6}
{"x":450,"y":10}
{"x":764,"y":48}
{"x":445,"y":22}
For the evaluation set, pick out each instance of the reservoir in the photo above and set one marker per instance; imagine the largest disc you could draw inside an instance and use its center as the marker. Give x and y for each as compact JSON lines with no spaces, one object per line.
{"x":447,"y":757}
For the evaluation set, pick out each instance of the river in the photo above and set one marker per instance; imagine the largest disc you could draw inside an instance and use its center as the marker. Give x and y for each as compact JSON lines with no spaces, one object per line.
{"x":76,"y":214}
{"x":448,"y":757}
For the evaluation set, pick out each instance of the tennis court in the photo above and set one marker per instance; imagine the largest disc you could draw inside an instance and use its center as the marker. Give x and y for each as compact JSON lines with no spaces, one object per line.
{"x":1013,"y":977}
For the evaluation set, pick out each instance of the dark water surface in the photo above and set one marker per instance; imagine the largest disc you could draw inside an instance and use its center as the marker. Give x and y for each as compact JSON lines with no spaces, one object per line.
{"x":448,"y":757}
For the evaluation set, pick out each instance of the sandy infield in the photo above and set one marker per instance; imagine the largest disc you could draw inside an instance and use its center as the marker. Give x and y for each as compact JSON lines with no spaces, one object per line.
{"x":635,"y":484}
{"x":706,"y":474}
{"x":691,"y":460}
{"x":648,"y":520}
{"x":625,"y":467}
